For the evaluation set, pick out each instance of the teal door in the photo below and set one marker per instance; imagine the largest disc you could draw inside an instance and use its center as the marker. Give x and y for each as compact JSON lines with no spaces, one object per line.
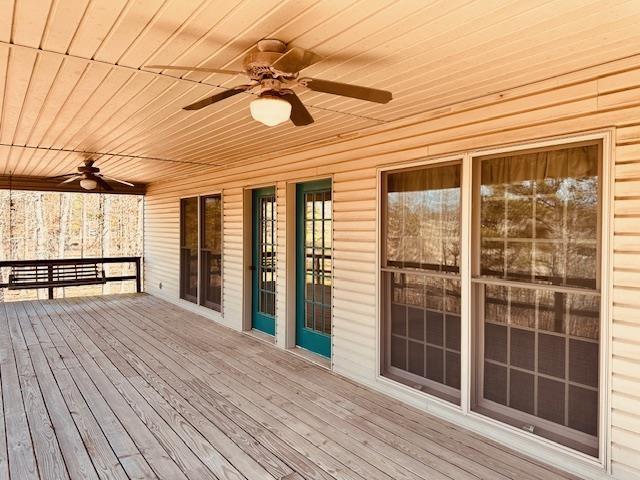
{"x":314,"y":266}
{"x":264,"y":261}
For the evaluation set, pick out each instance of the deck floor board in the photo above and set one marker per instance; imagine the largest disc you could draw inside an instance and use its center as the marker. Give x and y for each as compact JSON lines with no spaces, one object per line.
{"x":131,"y":386}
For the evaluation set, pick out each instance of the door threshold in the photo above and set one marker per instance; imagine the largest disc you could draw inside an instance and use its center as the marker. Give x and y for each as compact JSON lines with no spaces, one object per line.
{"x":312,"y":357}
{"x":265,"y":337}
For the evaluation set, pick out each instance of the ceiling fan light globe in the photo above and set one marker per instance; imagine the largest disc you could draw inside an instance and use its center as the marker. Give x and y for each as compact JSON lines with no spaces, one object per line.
{"x":270,"y":110}
{"x":88,"y":183}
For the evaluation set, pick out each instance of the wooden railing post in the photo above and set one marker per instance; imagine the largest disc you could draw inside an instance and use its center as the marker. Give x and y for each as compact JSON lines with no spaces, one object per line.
{"x":138,"y":277}
{"x":50,"y":278}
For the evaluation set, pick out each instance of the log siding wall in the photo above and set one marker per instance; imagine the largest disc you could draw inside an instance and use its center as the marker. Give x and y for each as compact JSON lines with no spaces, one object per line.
{"x":603,"y":97}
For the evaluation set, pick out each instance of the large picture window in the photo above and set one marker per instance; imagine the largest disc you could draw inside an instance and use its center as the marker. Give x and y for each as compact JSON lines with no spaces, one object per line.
{"x":421,"y":278}
{"x":503,"y":268}
{"x":536,"y":262}
{"x":201,"y":250}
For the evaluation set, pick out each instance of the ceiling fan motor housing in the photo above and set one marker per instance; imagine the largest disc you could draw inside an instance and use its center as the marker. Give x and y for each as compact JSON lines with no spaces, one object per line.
{"x":258,"y":65}
{"x":271,"y":45}
{"x":88,"y":169}
{"x":270,"y":86}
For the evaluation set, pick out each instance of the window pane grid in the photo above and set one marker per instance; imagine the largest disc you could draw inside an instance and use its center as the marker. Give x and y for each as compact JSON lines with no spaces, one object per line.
{"x":523,"y":212}
{"x":317,"y":245}
{"x":550,"y":333}
{"x":416,"y":324}
{"x":515,"y":323}
{"x":541,"y":375}
{"x":267,"y":252}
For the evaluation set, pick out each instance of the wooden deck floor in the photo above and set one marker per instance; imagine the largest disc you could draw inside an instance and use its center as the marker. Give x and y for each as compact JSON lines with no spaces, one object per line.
{"x":133,"y":387}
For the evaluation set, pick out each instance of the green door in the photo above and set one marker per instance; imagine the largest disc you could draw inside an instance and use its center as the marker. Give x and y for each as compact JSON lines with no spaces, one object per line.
{"x":314,"y":266}
{"x":264,"y":261}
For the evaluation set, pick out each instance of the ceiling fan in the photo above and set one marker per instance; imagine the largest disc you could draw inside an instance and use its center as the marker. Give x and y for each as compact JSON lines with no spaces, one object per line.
{"x":273,"y":71}
{"x":90,"y":177}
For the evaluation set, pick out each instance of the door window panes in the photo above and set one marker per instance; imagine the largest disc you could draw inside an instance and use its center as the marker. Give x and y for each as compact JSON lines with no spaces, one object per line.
{"x":267,"y":255}
{"x":317,"y":261}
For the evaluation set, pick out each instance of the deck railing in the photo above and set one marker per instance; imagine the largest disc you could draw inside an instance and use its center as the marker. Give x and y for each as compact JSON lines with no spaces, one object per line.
{"x":51,"y":263}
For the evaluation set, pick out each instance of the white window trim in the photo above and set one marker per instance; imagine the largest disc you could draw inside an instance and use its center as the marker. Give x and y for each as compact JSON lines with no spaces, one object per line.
{"x":538,"y":447}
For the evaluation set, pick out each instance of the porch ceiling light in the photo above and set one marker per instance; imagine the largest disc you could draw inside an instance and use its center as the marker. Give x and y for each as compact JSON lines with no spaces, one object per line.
{"x":270,"y":110}
{"x":88,"y":183}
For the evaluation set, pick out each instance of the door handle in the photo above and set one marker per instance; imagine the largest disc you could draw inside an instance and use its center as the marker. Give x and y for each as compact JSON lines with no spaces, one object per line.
{"x":252,"y":268}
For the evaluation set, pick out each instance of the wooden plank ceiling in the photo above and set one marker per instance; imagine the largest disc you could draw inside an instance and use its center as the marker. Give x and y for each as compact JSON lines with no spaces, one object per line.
{"x":72,"y":75}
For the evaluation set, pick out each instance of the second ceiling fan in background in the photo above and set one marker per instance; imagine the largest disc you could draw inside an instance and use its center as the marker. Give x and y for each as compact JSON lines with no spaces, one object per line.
{"x":273,"y":72}
{"x":90,"y":178}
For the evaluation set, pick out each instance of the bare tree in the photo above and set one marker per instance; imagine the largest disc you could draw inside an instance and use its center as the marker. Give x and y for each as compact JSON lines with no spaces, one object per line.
{"x":65,"y":206}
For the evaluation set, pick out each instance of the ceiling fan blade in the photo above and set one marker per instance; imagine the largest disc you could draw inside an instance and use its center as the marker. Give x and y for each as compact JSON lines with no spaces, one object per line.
{"x":347,"y":90}
{"x":300,"y":116}
{"x":217,"y":97}
{"x":103,"y":185}
{"x":117,"y":180}
{"x":295,"y":59}
{"x":64,"y":176}
{"x":195,"y":69}
{"x":71,"y":179}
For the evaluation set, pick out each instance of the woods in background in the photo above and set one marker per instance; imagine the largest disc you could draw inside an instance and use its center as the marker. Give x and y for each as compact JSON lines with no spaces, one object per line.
{"x":48,"y":225}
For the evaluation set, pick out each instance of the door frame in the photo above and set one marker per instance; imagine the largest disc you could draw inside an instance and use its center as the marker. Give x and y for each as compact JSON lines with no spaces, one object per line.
{"x":247,"y":257}
{"x":255,"y":194}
